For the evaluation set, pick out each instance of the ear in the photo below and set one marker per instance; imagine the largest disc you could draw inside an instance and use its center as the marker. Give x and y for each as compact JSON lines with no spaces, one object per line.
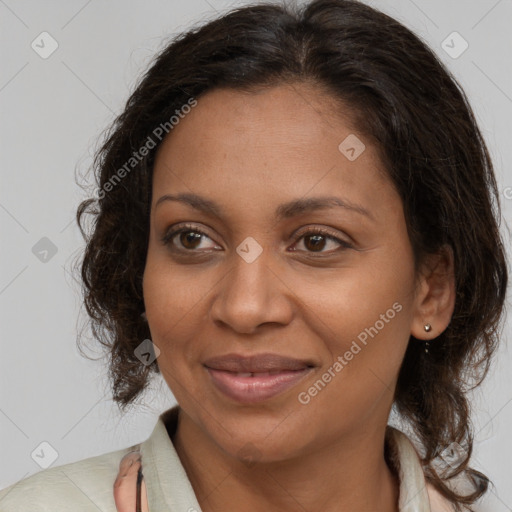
{"x":435,"y":295}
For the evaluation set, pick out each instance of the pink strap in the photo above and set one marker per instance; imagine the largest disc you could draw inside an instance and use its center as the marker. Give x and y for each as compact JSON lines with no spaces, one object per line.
{"x":129,"y":488}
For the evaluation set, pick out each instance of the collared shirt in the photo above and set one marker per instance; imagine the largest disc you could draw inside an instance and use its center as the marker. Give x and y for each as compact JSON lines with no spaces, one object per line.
{"x":88,"y":485}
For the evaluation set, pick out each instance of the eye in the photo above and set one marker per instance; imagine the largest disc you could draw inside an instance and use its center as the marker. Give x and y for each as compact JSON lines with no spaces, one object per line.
{"x":189,"y":239}
{"x":316,"y":239}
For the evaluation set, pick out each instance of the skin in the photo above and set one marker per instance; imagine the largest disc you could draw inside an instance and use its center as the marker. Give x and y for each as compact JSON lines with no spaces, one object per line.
{"x":249,"y":153}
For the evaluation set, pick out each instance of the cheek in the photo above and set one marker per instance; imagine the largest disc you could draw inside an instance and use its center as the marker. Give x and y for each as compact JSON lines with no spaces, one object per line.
{"x":363,"y":315}
{"x":172,"y":305}
{"x":170,"y":302}
{"x":364,"y":348}
{"x":171,"y":292}
{"x":345,"y":302}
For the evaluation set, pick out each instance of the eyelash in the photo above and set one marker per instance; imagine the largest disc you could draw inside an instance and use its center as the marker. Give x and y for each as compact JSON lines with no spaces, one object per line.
{"x":168,"y":236}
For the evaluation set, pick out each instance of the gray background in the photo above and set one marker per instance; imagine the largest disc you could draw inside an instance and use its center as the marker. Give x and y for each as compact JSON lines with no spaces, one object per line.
{"x":53,"y":111}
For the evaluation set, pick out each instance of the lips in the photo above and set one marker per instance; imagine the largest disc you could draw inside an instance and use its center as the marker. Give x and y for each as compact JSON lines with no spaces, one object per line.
{"x":256,"y":378}
{"x":260,"y":363}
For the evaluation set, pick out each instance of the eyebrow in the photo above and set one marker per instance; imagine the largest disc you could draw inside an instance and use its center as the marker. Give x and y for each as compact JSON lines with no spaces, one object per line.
{"x":283,"y":211}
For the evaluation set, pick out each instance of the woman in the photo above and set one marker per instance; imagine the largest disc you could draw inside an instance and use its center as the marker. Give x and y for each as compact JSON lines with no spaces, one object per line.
{"x":297,"y":226}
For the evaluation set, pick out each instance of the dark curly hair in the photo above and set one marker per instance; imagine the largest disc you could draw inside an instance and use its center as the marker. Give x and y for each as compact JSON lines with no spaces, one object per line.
{"x":418,"y":115}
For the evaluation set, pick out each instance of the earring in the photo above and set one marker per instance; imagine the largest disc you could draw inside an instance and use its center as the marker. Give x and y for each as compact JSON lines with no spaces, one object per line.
{"x":143,"y":315}
{"x":427,"y":328}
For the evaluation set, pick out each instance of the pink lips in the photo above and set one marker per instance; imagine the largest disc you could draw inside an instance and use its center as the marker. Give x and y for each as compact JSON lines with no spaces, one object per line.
{"x":255,"y":378}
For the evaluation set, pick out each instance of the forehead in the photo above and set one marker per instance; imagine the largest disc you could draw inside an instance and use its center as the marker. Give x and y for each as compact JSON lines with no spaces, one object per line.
{"x":283,"y":115}
{"x":267,"y":144}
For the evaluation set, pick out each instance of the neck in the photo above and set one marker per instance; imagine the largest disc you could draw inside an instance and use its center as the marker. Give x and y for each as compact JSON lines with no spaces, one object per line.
{"x":351,"y":475}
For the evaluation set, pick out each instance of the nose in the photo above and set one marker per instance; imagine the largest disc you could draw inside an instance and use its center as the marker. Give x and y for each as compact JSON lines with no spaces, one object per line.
{"x":252,"y":294}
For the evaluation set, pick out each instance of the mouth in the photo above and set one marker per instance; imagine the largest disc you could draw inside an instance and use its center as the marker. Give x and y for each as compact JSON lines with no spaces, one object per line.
{"x":256,"y":378}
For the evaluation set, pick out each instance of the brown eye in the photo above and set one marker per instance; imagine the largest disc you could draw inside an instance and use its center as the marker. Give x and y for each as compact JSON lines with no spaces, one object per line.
{"x":186,"y":239}
{"x":314,"y":242}
{"x":190,"y":239}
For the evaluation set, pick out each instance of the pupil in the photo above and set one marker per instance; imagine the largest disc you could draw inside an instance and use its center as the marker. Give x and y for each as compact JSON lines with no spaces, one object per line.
{"x":318,"y":242}
{"x":189,"y":236}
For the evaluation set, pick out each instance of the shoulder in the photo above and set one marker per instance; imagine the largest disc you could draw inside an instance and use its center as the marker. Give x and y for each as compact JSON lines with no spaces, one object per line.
{"x":86,"y":484}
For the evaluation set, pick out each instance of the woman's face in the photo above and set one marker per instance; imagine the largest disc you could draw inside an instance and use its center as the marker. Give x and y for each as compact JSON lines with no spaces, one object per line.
{"x":249,"y":276}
